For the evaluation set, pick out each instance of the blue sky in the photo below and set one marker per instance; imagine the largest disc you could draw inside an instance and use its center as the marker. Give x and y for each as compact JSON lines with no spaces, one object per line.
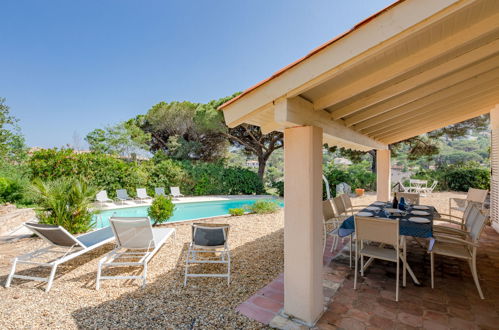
{"x":67,"y":67}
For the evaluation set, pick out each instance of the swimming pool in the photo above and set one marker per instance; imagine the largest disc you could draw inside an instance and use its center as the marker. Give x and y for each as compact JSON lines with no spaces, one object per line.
{"x":183,"y":211}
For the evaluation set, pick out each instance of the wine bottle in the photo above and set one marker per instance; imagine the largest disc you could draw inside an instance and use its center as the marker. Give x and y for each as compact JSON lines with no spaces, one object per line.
{"x":395,"y":202}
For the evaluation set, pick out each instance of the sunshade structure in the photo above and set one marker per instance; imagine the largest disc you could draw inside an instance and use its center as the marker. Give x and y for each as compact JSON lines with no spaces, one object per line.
{"x":414,"y":67}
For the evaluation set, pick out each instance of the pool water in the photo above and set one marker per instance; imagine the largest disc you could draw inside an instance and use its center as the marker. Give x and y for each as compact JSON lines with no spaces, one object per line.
{"x":183,"y":211}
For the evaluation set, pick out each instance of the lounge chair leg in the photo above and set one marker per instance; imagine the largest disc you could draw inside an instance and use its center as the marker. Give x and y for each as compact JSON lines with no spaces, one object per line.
{"x":432,"y":266}
{"x":187,"y":265}
{"x":144,"y":275}
{"x":51,"y":278}
{"x":12,"y":272}
{"x":475,"y":277}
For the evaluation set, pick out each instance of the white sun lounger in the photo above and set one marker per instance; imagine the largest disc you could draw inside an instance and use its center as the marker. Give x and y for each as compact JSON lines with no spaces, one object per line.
{"x":102,"y":198}
{"x":142,"y":194}
{"x":175,"y":192}
{"x":159,"y":191}
{"x":136,"y":243}
{"x":122,"y":195}
{"x":62,"y":243}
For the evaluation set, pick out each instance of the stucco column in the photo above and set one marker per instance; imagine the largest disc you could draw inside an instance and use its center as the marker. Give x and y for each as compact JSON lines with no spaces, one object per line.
{"x":494,"y":166}
{"x":303,"y":297}
{"x":383,"y":175}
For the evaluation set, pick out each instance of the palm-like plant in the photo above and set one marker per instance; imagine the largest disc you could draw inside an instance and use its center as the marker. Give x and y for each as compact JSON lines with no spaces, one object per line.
{"x":65,"y":202}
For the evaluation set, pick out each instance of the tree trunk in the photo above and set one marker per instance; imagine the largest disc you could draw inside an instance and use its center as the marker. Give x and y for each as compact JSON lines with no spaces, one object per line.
{"x":262,"y":162}
{"x":373,"y":164}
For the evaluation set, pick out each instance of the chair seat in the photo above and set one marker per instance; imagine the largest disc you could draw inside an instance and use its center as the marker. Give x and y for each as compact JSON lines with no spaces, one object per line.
{"x":451,"y":250}
{"x":379,"y":253}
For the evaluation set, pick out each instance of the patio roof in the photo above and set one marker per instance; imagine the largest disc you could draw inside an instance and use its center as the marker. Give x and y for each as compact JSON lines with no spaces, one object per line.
{"x":414,"y":67}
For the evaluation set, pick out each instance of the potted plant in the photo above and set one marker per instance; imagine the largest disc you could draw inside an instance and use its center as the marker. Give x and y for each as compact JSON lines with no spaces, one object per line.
{"x":359,"y":191}
{"x":161,"y":209}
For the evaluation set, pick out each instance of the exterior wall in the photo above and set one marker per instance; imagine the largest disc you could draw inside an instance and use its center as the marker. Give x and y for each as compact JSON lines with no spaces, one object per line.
{"x":383,"y":175}
{"x":303,"y":297}
{"x":494,"y":159}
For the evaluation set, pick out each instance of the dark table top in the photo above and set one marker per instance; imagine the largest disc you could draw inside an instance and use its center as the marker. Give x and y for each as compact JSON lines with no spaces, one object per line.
{"x":407,"y":227}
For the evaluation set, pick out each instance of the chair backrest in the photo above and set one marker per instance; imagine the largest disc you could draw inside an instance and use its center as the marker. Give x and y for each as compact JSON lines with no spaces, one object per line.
{"x":122,"y":193}
{"x":132,"y":232}
{"x":339,"y":205}
{"x":159,"y":191}
{"x":175,"y":191}
{"x":102,"y":196}
{"x":347,"y":202}
{"x":469,"y":215}
{"x":55,"y":235}
{"x":377,"y":230}
{"x":412,"y":198}
{"x":328,"y":210}
{"x":478,"y":224}
{"x":210,"y":234}
{"x":477,"y":195}
{"x":141,"y":192}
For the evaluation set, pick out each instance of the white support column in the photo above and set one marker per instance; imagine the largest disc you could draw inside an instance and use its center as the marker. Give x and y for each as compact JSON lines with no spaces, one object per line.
{"x":383,"y":175}
{"x":494,"y":166}
{"x":303,"y":297}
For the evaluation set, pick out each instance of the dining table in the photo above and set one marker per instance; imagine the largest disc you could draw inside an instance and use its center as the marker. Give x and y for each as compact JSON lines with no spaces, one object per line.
{"x":414,"y":221}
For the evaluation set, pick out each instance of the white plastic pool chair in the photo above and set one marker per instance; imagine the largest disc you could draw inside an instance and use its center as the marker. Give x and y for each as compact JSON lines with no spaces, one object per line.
{"x":122,"y":195}
{"x":102,"y":198}
{"x":142,"y":194}
{"x":136,"y":243}
{"x":63,"y":244}
{"x":159,"y":192}
{"x":175,"y":192}
{"x":208,"y":238}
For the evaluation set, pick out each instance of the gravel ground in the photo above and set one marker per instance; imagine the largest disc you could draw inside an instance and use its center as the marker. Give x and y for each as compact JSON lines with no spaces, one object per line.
{"x":256,"y":244}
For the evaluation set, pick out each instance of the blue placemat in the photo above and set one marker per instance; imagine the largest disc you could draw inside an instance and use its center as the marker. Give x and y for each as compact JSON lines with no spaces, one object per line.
{"x":407,"y":228}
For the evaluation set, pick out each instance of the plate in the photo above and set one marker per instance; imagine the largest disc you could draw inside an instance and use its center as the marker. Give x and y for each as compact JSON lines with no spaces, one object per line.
{"x":420,"y":213}
{"x":378,"y":203}
{"x":391,"y":210}
{"x":365,"y":214}
{"x":372,"y":208}
{"x":419,"y":220}
{"x":420,"y":207}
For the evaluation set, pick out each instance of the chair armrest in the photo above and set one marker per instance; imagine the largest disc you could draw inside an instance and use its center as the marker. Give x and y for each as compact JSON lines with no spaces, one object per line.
{"x":453,"y":239}
{"x":449,"y":216}
{"x":444,"y":229}
{"x":460,"y":223}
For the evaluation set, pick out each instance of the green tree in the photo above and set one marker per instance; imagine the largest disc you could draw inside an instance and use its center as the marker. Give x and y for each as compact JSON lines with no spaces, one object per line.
{"x":12,"y":143}
{"x":124,"y":138}
{"x":247,"y":137}
{"x":183,"y":131}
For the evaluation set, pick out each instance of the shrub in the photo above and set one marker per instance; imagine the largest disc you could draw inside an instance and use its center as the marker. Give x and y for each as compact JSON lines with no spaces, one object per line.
{"x":279,"y":186}
{"x":161,"y":209}
{"x":457,"y":178}
{"x":236,"y":212}
{"x":263,"y":206}
{"x":356,"y":176}
{"x":65,"y":202}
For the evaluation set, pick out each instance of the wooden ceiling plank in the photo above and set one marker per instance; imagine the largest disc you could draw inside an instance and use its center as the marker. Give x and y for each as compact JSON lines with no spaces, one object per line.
{"x":408,"y":63}
{"x":484,"y":70}
{"x":440,"y":70}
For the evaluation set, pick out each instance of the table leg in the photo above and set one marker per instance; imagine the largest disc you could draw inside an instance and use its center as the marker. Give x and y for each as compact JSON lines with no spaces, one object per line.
{"x":404,"y":251}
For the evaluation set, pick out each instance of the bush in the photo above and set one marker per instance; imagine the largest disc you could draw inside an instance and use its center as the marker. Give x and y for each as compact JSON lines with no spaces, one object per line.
{"x":279,"y":186}
{"x":65,"y":202}
{"x":263,"y":206}
{"x":161,"y":209}
{"x":356,"y":176}
{"x":236,"y":212}
{"x":457,"y":178}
